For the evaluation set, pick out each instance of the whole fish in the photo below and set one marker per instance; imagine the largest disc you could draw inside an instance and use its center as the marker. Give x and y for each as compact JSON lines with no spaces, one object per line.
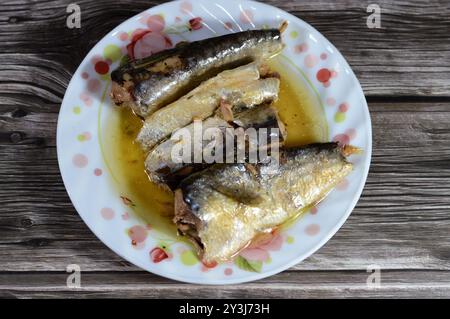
{"x":148,"y":84}
{"x":223,"y":208}
{"x":162,"y":168}
{"x":204,"y":100}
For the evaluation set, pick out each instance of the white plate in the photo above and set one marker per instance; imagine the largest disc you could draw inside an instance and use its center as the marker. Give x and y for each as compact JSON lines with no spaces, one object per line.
{"x":86,"y":109}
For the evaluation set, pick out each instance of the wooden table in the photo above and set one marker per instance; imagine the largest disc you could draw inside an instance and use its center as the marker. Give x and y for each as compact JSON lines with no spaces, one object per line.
{"x":401,"y":223}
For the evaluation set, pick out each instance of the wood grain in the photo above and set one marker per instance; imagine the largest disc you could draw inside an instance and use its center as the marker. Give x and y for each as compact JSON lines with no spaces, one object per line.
{"x":401,"y":223}
{"x":298,"y":284}
{"x":409,"y":55}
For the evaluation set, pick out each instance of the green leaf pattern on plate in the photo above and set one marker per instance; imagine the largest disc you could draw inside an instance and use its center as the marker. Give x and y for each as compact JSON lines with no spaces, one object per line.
{"x":248,"y":265}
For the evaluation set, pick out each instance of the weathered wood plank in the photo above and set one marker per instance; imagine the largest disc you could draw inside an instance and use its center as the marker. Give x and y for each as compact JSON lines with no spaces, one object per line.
{"x":409,"y":55}
{"x":299,"y":284}
{"x":401,"y":221}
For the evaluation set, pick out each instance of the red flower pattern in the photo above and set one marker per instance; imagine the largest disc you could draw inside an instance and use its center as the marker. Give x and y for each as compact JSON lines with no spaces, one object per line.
{"x":196,"y":23}
{"x":146,"y":42}
{"x":158,"y":254}
{"x":259,"y":250}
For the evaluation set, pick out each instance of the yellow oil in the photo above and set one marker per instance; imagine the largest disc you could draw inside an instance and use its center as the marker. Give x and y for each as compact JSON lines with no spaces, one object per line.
{"x":298,"y":109}
{"x":151,"y":202}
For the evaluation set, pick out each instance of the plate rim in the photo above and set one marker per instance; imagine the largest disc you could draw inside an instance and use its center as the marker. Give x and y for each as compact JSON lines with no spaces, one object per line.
{"x":251,"y":276}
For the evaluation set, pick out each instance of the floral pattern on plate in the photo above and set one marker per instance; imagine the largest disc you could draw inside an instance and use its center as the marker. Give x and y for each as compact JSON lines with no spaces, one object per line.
{"x":88,"y":177}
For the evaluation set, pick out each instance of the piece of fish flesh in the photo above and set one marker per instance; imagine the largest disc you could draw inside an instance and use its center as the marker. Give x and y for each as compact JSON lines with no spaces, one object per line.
{"x":148,"y":84}
{"x":197,"y":104}
{"x":223,"y":208}
{"x":203,"y":101}
{"x":163,"y":168}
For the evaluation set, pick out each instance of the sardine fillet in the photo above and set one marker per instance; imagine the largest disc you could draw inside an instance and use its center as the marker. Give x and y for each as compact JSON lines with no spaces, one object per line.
{"x":238,"y":87}
{"x":148,"y":84}
{"x":225,"y":206}
{"x":163,"y":169}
